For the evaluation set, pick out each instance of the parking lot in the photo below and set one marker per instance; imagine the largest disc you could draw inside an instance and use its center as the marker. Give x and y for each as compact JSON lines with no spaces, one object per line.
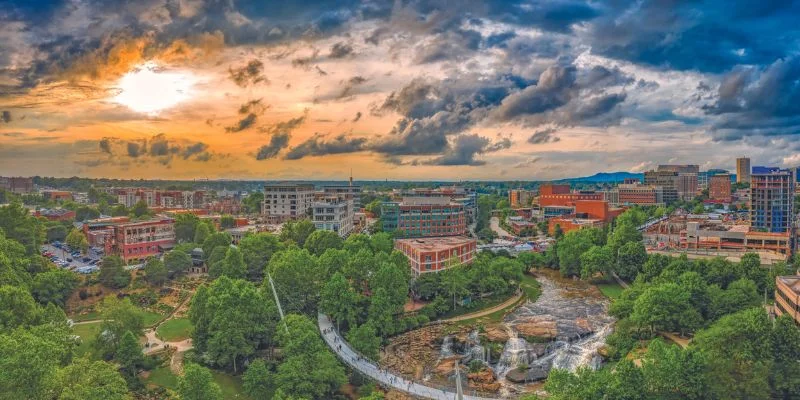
{"x":64,"y":257}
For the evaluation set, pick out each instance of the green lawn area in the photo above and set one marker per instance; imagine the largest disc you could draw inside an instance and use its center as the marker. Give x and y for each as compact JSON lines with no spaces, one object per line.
{"x":151,"y":318}
{"x":87,"y":333}
{"x":175,"y":330}
{"x":231,"y":385}
{"x":531,"y":287}
{"x":85,"y":317}
{"x":612,"y":290}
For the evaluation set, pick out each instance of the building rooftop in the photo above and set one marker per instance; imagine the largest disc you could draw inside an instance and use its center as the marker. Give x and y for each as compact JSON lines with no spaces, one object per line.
{"x":436,"y":243}
{"x":793,"y":282}
{"x":425,"y":201}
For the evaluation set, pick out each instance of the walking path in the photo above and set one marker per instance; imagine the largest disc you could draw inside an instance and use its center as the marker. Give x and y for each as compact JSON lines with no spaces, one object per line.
{"x":494,"y":223}
{"x":487,"y":311}
{"x":382,"y":376}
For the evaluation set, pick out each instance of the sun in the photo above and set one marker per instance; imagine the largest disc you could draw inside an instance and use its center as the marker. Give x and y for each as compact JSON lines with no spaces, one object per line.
{"x":150,"y":89}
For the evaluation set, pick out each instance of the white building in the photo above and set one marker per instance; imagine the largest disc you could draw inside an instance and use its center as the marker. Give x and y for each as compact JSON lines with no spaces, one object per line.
{"x":284,"y":201}
{"x":335,"y":214}
{"x":351,"y":191}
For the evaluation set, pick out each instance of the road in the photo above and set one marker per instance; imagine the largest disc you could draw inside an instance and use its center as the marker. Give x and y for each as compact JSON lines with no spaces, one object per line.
{"x":385,"y":378}
{"x":494,"y":223}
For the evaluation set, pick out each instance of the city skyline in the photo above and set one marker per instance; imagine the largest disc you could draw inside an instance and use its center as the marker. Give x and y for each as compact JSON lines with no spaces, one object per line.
{"x":187,"y":89}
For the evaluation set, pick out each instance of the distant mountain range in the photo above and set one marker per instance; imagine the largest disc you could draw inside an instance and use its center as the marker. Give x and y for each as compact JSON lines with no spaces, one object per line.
{"x":603,"y":177}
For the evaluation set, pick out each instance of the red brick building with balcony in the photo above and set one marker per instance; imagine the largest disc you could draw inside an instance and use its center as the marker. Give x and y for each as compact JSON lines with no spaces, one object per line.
{"x":132,"y":241}
{"x":436,"y":254}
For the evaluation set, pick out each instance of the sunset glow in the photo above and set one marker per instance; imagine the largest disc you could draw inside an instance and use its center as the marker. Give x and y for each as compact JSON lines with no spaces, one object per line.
{"x":148,"y":89}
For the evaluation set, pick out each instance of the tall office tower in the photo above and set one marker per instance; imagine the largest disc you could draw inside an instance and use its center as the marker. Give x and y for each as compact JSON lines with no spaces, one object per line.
{"x":284,"y":201}
{"x":771,"y":199}
{"x":743,"y":170}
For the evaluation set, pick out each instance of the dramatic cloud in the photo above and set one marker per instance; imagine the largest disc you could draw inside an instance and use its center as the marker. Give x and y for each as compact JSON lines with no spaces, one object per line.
{"x":317,"y":145}
{"x":284,"y":126}
{"x":5,"y":116}
{"x":544,"y":136}
{"x":134,"y":149}
{"x":249,"y":74}
{"x":243,"y":124}
{"x":340,"y":50}
{"x":464,"y":149}
{"x":755,"y":101}
{"x":277,"y":142}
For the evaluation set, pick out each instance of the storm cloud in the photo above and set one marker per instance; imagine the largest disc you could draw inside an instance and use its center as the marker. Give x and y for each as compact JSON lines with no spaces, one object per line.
{"x":319,"y":145}
{"x":277,"y":142}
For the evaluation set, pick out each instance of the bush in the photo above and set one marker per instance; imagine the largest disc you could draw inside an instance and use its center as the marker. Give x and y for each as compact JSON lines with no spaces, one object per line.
{"x":83,"y":294}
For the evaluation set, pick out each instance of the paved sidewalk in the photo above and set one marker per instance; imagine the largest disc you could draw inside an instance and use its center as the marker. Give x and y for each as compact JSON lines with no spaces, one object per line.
{"x":483,"y":313}
{"x":385,"y":378}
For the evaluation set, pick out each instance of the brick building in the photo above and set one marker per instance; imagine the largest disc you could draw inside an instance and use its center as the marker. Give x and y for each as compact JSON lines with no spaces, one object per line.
{"x":719,"y":188}
{"x":56,"y":214}
{"x":588,"y":213}
{"x":519,"y":197}
{"x":16,"y":184}
{"x":132,"y":241}
{"x":436,"y":254}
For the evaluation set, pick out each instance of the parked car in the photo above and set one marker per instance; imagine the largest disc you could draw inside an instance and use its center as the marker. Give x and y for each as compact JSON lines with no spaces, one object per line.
{"x":86,"y":259}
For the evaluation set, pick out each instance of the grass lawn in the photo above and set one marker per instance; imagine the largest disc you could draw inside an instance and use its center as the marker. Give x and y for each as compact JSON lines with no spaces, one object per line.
{"x":531,"y":287}
{"x":175,"y":330}
{"x":85,"y":317}
{"x":151,"y":318}
{"x":612,"y":290}
{"x":87,"y":332}
{"x":231,"y":385}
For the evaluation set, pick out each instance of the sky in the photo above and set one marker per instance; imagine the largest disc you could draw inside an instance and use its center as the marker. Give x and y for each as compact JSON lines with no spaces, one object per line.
{"x":399,"y":90}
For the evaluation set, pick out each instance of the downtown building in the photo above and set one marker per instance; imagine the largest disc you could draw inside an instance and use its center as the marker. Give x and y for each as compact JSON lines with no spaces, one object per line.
{"x":285,"y":201}
{"x":133,"y":241}
{"x":787,"y":297}
{"x":350,"y":191}
{"x":157,"y":198}
{"x":424,"y":217}
{"x":437,"y":253}
{"x":456,"y":194}
{"x":636,"y":194}
{"x":16,"y":184}
{"x":772,"y":199}
{"x":743,"y":170}
{"x":334,"y":213}
{"x":719,"y":188}
{"x":519,"y":198}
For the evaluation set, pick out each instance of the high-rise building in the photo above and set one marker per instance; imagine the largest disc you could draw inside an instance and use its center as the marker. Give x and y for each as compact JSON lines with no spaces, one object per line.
{"x":667,"y":180}
{"x":636,"y":194}
{"x":284,"y":201}
{"x":680,"y":168}
{"x":351,"y":191}
{"x":334,"y":213}
{"x":719,"y":188}
{"x":424,"y":217}
{"x":519,"y":197}
{"x":743,"y":170}
{"x":771,"y":199}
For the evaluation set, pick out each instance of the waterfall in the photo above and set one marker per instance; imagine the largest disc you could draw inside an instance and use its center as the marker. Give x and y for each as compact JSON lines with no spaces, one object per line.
{"x":447,"y":347}
{"x":515,"y":353}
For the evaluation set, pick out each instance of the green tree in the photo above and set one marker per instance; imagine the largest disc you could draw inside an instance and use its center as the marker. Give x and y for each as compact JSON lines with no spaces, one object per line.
{"x":572,"y":245}
{"x":454,"y":283}
{"x":155,"y":271}
{"x":673,"y":373}
{"x":139,"y":209}
{"x":739,"y":295}
{"x":17,"y":308}
{"x":297,"y":231}
{"x":785,"y":374}
{"x":382,"y":312}
{"x":129,"y":354}
{"x":213,"y":241}
{"x":29,"y":361}
{"x":666,"y":307}
{"x":113,"y":273}
{"x":198,"y":384}
{"x":257,"y":381}
{"x":597,"y":259}
{"x":296,"y":274}
{"x":201,"y":232}
{"x":339,"y":301}
{"x":218,"y":313}
{"x":309,"y":370}
{"x":252,"y":203}
{"x":332,"y":261}
{"x":739,"y":355}
{"x":394,"y":279}
{"x":77,"y":241}
{"x":56,"y":232}
{"x":320,"y":240}
{"x":226,"y":222}
{"x":216,"y":263}
{"x":177,"y":262}
{"x":750,"y":267}
{"x":119,"y":211}
{"x":91,"y":380}
{"x":365,"y":340}
{"x":382,"y":241}
{"x":257,"y":250}
{"x":18,"y":224}
{"x":623,"y":233}
{"x":630,"y":260}
{"x":119,"y":317}
{"x":185,"y":226}
{"x":233,"y":265}
{"x":54,"y":286}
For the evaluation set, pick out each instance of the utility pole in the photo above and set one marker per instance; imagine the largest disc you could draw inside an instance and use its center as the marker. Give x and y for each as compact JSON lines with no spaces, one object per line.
{"x":278,"y":302}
